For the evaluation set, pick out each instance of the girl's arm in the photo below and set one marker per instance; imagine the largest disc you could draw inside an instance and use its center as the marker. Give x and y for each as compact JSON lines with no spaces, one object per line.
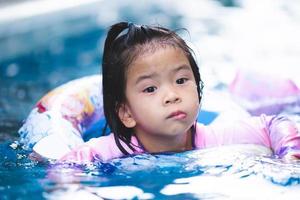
{"x":103,"y":149}
{"x":275,"y":132}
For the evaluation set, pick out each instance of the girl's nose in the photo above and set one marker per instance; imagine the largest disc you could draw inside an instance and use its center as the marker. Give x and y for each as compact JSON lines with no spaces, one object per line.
{"x":171,"y":97}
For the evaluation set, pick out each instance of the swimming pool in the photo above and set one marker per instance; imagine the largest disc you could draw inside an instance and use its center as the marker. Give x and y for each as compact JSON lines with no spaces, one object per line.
{"x":65,"y":45}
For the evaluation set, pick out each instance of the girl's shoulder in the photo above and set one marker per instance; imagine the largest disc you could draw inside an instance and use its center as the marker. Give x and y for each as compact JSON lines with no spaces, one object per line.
{"x":105,"y":147}
{"x":245,"y":130}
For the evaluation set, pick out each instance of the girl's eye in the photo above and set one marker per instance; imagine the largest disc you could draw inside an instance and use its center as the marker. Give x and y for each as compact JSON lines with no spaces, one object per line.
{"x":149,"y":89}
{"x":181,"y":80}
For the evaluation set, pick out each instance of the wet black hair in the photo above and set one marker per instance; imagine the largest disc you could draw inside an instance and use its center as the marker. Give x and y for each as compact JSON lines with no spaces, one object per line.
{"x":124,"y":43}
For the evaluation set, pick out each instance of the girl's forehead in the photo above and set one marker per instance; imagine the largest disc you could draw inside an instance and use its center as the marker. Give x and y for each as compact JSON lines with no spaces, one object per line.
{"x":161,"y":51}
{"x":161,"y":59}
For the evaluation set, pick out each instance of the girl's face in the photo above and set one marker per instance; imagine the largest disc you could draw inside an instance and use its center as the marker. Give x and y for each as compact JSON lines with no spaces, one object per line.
{"x":162,"y":100}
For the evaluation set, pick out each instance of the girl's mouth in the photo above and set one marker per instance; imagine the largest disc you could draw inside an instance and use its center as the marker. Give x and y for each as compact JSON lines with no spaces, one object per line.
{"x":177,"y":115}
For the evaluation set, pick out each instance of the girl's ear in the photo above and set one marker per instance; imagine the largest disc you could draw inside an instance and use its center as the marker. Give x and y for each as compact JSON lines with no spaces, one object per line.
{"x":126,"y":116}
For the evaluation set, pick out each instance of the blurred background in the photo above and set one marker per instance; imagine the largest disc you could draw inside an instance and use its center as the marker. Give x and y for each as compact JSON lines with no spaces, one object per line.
{"x":45,"y":43}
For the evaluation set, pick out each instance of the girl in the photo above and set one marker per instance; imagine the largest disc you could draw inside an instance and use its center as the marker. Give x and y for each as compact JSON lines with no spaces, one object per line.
{"x":152,"y":91}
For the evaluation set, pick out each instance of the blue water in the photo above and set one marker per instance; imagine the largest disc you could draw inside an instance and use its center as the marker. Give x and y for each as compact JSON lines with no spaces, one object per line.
{"x":152,"y":176}
{"x":68,"y":46}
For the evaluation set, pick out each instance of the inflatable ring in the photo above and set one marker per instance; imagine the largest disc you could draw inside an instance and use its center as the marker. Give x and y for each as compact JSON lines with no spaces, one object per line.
{"x":64,"y":118}
{"x":73,"y":113}
{"x":258,"y":92}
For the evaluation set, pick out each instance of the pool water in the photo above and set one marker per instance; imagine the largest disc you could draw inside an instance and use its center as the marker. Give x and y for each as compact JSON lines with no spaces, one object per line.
{"x":65,"y":45}
{"x":221,"y":173}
